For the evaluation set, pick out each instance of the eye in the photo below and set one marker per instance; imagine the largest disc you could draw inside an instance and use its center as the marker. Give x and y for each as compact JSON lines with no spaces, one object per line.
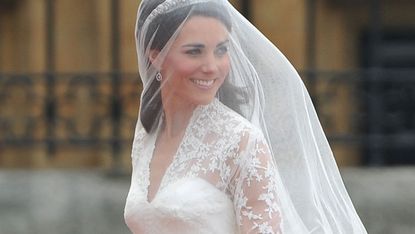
{"x":221,"y":50}
{"x":195,"y":51}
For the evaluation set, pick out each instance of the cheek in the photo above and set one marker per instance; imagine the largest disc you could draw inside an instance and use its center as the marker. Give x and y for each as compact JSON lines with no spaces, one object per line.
{"x":178,"y":71}
{"x":182,"y":68}
{"x":225,"y":66}
{"x":186,"y":69}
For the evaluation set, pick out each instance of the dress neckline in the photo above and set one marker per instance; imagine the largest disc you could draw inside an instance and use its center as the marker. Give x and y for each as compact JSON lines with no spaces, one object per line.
{"x":196,"y":113}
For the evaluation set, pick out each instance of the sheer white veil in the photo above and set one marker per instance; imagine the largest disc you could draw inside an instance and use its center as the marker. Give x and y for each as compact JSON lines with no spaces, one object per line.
{"x":263,"y":87}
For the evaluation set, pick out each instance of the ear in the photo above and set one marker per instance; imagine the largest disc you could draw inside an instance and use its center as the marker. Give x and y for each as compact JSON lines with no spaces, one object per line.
{"x":153,"y":58}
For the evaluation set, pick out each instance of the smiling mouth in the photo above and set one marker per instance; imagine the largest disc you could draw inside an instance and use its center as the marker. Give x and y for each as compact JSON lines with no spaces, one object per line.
{"x":204,"y":83}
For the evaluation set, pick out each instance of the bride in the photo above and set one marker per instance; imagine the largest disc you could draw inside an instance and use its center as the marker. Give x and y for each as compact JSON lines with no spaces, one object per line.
{"x":227,"y":139}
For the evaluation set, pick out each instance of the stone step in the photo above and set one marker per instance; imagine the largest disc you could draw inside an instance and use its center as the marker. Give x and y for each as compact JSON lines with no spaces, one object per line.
{"x":89,"y":201}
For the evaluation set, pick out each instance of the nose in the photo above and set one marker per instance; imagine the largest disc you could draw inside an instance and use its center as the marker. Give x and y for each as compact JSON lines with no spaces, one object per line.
{"x":210,"y":64}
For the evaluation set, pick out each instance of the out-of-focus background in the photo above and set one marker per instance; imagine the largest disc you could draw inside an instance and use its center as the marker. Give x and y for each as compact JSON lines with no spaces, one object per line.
{"x":69,"y":97}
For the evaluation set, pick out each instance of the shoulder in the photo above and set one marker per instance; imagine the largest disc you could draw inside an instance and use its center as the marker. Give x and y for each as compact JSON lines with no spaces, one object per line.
{"x":140,"y":131}
{"x":224,"y":119}
{"x":140,"y":136}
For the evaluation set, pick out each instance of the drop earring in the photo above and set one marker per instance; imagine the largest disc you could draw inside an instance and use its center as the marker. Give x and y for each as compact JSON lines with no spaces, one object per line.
{"x":159,"y":77}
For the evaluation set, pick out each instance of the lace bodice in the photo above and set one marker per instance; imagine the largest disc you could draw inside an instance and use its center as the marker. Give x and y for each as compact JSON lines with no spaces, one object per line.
{"x":221,"y":180}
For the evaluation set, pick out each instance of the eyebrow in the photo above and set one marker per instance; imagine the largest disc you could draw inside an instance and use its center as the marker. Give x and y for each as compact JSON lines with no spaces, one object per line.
{"x":223,"y":43}
{"x":197,"y":45}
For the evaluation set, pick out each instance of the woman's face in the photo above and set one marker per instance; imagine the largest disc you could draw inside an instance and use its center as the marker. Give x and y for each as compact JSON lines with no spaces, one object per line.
{"x":197,"y":62}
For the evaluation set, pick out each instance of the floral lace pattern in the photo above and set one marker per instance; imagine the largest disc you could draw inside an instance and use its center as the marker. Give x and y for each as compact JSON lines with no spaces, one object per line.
{"x":224,"y":149}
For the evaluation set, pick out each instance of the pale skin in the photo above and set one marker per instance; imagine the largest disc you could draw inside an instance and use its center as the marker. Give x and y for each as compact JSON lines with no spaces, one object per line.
{"x":193,"y":71}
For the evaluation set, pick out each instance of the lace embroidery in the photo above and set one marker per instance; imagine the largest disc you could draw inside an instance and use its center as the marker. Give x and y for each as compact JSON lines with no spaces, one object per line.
{"x":139,"y":160}
{"x":225,"y":150}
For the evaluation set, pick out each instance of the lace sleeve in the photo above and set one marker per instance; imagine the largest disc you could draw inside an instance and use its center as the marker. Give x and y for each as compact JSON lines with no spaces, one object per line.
{"x":254,"y":187}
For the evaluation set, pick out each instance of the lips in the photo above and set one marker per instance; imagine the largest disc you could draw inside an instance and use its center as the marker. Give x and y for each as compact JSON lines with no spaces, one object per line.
{"x":204,"y":83}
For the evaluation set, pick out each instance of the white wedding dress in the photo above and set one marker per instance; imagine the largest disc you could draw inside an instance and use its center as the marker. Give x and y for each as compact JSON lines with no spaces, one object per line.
{"x":221,"y":180}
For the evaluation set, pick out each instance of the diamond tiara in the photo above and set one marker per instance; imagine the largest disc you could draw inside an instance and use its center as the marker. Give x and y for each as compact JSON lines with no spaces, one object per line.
{"x":170,"y":5}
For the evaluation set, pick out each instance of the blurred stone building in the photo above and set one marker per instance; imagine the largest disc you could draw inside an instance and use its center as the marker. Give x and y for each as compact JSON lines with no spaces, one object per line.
{"x":69,"y":84}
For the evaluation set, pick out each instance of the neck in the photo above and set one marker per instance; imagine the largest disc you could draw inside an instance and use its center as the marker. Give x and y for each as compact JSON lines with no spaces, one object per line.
{"x":176,"y":117}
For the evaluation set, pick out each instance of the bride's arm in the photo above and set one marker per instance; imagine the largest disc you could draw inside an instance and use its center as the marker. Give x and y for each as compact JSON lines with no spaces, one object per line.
{"x":255,"y":190}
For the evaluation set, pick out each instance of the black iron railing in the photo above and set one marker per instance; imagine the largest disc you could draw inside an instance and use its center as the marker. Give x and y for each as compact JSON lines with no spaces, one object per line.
{"x":373,"y":109}
{"x":60,"y":110}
